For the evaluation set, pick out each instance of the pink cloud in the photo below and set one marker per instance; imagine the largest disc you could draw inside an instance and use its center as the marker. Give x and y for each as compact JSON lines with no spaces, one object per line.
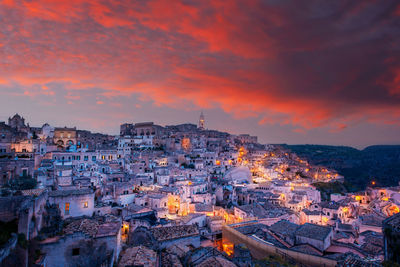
{"x":308,"y":68}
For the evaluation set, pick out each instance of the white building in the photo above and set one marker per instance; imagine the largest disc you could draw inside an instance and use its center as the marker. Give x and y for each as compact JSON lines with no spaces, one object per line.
{"x":73,"y":203}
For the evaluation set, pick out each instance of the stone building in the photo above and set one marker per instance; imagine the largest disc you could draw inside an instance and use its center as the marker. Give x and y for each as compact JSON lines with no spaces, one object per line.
{"x":85,"y":242}
{"x":246,"y":138}
{"x":6,"y":133}
{"x":126,"y":129}
{"x":29,"y":146}
{"x":391,"y":230}
{"x":73,"y":203}
{"x":14,"y":168}
{"x":65,"y":137}
{"x":18,"y":123}
{"x":143,"y":133}
{"x":63,"y":175}
{"x":26,"y":209}
{"x":89,"y":140}
{"x":315,"y":235}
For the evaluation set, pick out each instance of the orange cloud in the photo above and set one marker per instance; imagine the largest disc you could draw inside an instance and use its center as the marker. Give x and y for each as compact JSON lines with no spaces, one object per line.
{"x":270,"y":61}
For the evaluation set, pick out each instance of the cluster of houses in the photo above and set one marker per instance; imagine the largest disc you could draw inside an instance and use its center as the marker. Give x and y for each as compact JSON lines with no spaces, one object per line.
{"x":178,"y":195}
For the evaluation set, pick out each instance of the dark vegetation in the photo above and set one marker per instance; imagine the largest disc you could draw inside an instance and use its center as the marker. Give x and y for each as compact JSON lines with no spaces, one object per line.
{"x":359,"y":167}
{"x":52,"y":222}
{"x":23,"y":183}
{"x":327,"y":189}
{"x":6,"y":229}
{"x":274,"y":261}
{"x":187,"y":166}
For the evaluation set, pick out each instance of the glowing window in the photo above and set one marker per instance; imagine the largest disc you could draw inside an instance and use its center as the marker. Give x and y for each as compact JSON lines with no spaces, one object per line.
{"x":66,"y":208}
{"x":85,"y":204}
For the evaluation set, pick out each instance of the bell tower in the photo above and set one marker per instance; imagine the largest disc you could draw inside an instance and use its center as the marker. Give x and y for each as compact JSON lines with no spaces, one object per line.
{"x":201,"y":121}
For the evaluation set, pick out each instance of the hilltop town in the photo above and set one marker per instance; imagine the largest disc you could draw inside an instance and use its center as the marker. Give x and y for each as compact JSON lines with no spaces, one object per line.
{"x":180,"y":195}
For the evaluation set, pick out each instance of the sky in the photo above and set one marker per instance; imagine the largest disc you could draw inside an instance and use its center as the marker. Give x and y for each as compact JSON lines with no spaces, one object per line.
{"x":297,"y":72}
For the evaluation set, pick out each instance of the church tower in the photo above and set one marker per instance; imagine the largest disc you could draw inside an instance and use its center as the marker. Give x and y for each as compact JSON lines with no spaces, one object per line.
{"x":201,"y":121}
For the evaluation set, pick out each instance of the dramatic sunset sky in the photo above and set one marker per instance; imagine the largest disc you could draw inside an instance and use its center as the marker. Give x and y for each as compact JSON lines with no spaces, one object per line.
{"x":325,"y":72}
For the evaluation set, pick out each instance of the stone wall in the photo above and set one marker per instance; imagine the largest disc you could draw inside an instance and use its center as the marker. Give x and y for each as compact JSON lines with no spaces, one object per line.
{"x":260,"y":249}
{"x":8,"y":247}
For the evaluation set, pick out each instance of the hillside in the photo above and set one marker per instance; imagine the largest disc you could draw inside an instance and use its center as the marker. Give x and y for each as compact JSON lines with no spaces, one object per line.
{"x":359,"y":167}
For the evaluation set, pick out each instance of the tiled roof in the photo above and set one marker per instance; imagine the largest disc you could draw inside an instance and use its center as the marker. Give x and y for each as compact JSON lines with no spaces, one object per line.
{"x":33,"y":192}
{"x":373,"y":247}
{"x":170,"y":260}
{"x":314,"y":212}
{"x":284,"y":228}
{"x":186,"y":219}
{"x":313,"y":231}
{"x":93,"y":227}
{"x":250,"y":229}
{"x":393,"y":221}
{"x":345,"y":227}
{"x":137,"y":209}
{"x":69,"y":192}
{"x":306,"y":248}
{"x":178,"y":249}
{"x":216,"y":262}
{"x":174,"y":232}
{"x":353,"y":260}
{"x":372,"y":220}
{"x":157,"y":196}
{"x":260,"y":211}
{"x":340,"y":235}
{"x":138,"y":256}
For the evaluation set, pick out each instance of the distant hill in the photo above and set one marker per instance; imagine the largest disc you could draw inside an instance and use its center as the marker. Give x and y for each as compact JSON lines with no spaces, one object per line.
{"x":380,"y":163}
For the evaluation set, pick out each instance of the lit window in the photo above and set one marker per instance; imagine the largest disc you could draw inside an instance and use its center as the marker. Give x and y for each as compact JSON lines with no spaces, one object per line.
{"x":66,"y":208}
{"x":85,"y":205}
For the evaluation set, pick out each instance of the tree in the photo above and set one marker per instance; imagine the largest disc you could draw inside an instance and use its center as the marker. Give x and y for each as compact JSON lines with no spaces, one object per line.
{"x":23,"y":183}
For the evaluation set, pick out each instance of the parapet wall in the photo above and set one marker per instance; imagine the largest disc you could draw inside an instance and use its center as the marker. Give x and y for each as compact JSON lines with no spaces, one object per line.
{"x":8,"y":247}
{"x":260,"y":249}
